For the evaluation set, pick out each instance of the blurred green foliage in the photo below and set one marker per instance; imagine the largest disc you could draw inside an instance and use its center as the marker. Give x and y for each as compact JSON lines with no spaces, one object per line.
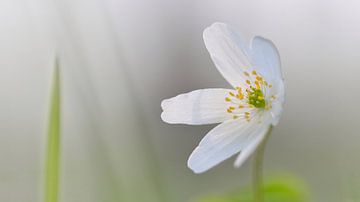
{"x":279,"y":188}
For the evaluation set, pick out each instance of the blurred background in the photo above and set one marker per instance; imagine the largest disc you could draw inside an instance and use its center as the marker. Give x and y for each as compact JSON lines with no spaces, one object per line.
{"x":120,"y":58}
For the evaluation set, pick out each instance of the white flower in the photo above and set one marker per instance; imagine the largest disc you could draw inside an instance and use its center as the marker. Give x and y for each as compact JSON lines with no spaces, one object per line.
{"x":245,"y":112}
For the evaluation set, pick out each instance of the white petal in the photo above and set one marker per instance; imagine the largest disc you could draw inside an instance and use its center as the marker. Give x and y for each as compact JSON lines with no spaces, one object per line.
{"x":198,"y":107}
{"x":228,"y":52}
{"x":266,"y":60}
{"x":251,"y":147}
{"x":277,"y":104}
{"x":222,"y":142}
{"x":276,"y":109}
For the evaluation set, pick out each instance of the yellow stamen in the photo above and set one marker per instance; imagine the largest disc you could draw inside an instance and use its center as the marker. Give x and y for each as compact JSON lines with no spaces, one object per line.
{"x":259,"y":78}
{"x":257,"y":84}
{"x":240,"y":96}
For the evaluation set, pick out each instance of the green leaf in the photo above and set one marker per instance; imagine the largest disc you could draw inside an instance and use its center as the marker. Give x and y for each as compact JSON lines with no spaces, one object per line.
{"x":282,"y":188}
{"x":53,"y":141}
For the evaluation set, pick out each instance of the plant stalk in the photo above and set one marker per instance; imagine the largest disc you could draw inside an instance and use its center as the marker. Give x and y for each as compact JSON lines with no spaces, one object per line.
{"x":258,"y":186}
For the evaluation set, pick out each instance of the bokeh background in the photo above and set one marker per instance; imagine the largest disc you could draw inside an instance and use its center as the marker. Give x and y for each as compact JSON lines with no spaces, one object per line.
{"x":120,"y":58}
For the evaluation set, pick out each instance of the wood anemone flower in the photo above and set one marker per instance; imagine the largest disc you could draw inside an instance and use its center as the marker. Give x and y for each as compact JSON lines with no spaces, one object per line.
{"x":245,"y":112}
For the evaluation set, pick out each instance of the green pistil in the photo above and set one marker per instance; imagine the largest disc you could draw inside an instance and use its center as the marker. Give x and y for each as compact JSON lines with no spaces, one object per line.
{"x":256,"y":98}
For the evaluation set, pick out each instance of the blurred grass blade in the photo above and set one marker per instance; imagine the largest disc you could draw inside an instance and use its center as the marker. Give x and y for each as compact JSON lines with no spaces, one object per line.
{"x":53,"y":141}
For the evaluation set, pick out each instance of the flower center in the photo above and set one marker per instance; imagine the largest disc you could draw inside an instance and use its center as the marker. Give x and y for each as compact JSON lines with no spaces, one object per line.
{"x":256,"y":98}
{"x":242,"y":102}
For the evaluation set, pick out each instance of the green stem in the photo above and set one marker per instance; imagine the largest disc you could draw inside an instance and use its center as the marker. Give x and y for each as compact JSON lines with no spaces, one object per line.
{"x":258,"y":188}
{"x":53,"y":142}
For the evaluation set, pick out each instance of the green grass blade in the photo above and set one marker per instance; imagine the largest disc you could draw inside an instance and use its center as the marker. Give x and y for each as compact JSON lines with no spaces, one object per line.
{"x":53,"y":141}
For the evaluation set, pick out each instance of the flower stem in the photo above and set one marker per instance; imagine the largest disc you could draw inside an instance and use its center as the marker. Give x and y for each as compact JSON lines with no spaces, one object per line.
{"x":258,"y":169}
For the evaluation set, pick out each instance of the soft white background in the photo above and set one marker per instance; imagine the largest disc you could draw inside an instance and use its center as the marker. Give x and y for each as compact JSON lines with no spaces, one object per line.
{"x":120,"y":58}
